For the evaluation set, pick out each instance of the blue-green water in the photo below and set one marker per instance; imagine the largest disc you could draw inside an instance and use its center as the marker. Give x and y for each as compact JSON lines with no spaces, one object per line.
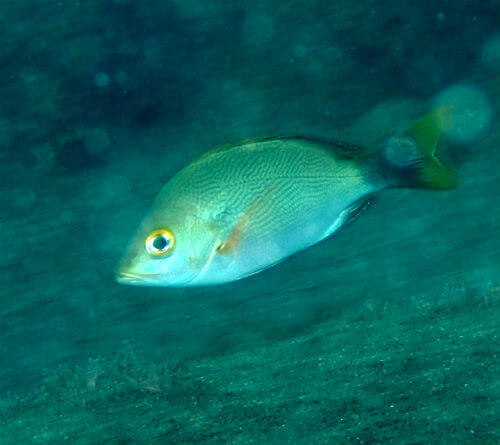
{"x":386,"y":333}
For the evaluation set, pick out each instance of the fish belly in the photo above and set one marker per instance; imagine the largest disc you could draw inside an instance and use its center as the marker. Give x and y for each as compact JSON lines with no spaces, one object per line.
{"x":263,"y":247}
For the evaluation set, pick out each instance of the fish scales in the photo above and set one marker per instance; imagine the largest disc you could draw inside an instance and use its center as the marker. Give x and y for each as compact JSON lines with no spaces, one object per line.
{"x":240,"y":209}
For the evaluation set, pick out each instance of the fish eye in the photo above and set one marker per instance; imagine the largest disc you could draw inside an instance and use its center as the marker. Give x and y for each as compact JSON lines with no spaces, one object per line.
{"x":160,"y":242}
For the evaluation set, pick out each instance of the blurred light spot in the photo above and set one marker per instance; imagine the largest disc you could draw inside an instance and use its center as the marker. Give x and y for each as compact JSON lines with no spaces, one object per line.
{"x":401,"y":151}
{"x":101,"y":80}
{"x":466,"y":112}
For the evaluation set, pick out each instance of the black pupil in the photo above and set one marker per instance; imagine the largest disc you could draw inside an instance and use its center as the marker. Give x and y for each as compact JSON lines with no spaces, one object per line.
{"x":160,"y":243}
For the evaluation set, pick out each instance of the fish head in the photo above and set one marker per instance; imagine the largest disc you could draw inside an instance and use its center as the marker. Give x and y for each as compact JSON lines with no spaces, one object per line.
{"x":171,"y":248}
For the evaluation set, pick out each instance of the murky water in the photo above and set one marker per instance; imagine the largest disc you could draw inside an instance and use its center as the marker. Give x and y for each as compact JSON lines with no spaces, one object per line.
{"x":387,"y":332}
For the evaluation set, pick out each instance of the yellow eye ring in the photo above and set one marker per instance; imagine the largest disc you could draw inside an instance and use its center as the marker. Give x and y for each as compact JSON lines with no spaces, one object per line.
{"x":160,"y":242}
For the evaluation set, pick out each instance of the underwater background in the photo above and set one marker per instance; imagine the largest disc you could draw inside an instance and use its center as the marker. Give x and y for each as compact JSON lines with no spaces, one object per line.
{"x":386,"y":333}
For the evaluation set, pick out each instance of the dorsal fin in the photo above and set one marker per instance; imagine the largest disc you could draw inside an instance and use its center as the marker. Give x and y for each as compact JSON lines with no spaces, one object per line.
{"x":342,"y":149}
{"x":345,"y":150}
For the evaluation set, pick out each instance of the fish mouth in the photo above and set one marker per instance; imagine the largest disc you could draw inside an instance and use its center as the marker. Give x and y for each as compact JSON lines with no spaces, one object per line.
{"x":140,"y":279}
{"x":124,"y":277}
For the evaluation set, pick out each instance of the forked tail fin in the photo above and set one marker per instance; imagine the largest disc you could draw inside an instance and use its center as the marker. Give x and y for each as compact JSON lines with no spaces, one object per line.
{"x":411,"y":157}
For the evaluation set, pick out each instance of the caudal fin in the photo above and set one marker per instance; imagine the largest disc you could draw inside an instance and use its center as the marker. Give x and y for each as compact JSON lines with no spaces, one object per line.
{"x":412,"y":159}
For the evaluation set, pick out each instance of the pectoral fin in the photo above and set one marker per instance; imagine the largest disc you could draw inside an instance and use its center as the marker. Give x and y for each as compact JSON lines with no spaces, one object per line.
{"x":261,"y":203}
{"x":232,"y":241}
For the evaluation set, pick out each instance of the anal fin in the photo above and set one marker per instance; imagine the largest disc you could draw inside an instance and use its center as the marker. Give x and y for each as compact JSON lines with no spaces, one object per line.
{"x":349,"y":214}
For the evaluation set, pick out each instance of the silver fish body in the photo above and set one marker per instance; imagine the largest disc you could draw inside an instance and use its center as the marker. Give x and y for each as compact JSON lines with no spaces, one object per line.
{"x":285,"y":193}
{"x":242,"y":208}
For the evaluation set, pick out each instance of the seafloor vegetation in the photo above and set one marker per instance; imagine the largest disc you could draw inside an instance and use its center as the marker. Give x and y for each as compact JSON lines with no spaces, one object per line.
{"x":386,"y":333}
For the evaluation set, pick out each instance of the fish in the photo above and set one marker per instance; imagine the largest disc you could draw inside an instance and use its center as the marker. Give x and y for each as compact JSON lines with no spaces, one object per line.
{"x":242,"y":208}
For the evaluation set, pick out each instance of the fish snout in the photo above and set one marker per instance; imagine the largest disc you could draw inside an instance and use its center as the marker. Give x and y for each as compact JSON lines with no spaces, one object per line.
{"x":124,"y":277}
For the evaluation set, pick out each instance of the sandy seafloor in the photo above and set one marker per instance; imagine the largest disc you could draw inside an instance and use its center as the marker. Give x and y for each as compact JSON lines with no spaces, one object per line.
{"x":386,"y":333}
